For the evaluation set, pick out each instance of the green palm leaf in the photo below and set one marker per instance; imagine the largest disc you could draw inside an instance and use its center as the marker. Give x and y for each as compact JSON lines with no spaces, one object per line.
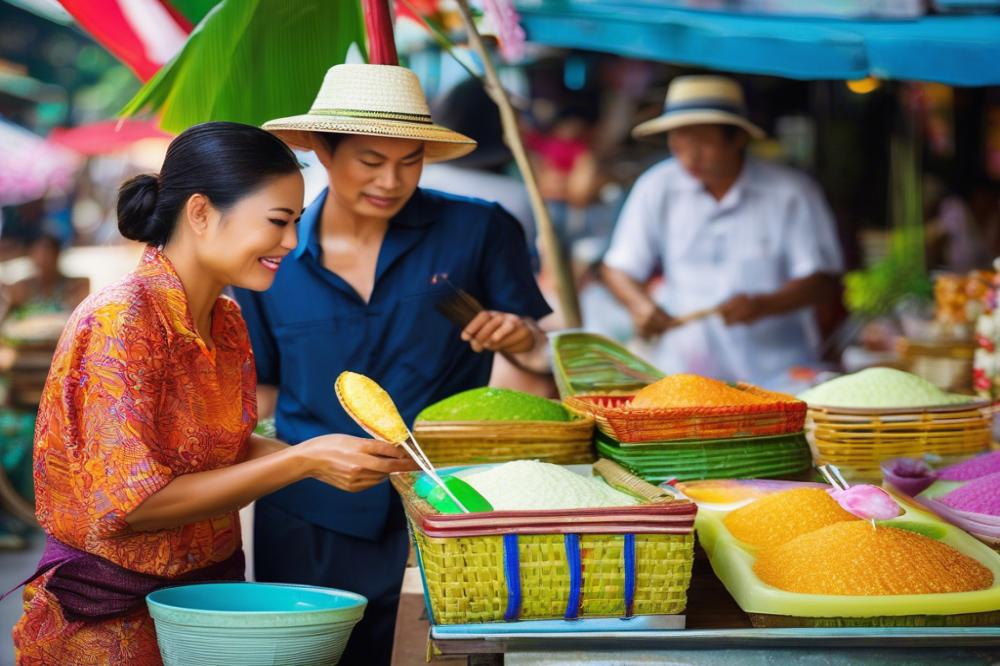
{"x":250,"y":61}
{"x":193,"y":10}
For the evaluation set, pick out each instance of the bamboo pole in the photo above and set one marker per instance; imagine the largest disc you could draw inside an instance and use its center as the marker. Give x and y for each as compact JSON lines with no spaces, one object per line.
{"x":552,"y":255}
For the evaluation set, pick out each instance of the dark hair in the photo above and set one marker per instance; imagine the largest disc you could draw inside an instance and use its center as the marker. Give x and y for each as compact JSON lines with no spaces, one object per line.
{"x":730,"y":132}
{"x":223,"y":161}
{"x":331,"y":140}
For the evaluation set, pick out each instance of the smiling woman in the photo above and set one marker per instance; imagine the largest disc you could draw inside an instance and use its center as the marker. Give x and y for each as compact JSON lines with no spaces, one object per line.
{"x":143,"y":448}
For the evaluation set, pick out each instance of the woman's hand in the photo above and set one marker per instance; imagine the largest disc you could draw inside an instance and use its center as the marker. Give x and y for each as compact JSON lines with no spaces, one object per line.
{"x":353,"y":463}
{"x":499,"y":332}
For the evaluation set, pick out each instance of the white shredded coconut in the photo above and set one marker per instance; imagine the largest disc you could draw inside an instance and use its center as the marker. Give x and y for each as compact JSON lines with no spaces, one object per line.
{"x":529,"y":485}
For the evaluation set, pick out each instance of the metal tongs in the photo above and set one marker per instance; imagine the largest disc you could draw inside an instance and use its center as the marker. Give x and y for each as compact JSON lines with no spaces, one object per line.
{"x":833,"y":476}
{"x":424,"y":463}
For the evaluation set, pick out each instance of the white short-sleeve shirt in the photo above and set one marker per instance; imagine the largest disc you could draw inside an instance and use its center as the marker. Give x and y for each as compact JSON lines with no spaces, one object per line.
{"x":772,"y":226}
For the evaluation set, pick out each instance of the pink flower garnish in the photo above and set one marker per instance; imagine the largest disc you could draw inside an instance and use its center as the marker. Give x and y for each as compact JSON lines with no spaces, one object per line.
{"x":507,"y":24}
{"x":867,"y":502}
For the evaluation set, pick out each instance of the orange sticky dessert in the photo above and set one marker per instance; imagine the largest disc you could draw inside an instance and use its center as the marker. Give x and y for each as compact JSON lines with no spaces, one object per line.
{"x":692,"y":391}
{"x":853,"y":558}
{"x":774,"y":519}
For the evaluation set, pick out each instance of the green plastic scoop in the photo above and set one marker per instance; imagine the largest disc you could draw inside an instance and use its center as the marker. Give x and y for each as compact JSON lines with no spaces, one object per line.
{"x":466,"y":494}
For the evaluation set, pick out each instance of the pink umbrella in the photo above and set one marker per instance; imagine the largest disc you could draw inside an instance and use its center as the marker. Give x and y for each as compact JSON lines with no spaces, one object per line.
{"x":30,"y":167}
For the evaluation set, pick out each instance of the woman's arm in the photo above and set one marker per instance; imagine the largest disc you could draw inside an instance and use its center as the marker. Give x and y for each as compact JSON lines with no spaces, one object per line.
{"x":260,"y":446}
{"x":349,"y":463}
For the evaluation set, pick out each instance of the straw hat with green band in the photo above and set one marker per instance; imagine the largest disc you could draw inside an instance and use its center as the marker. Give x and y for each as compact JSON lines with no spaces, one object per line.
{"x":374,"y":100}
{"x":701,"y":100}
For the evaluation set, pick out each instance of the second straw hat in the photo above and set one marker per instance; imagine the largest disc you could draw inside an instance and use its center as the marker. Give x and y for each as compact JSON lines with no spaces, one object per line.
{"x":701,"y":100}
{"x":373,"y":100}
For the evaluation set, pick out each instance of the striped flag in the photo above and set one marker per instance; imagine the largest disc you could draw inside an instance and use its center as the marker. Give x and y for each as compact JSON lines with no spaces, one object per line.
{"x":144,"y":34}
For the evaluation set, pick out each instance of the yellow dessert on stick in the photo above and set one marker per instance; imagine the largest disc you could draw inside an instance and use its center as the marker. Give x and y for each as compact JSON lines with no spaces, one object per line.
{"x":371,"y":407}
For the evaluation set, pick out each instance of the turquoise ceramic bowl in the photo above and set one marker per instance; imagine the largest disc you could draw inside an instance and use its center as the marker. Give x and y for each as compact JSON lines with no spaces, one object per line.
{"x":253,"y":624}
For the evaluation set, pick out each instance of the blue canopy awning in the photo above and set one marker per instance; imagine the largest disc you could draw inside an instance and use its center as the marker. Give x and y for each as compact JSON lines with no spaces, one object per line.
{"x":957,"y":50}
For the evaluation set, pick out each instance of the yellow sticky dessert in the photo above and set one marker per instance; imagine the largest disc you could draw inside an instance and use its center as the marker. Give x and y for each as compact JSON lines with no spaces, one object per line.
{"x":691,"y":391}
{"x":853,"y":558}
{"x":780,"y":517}
{"x":367,"y":403}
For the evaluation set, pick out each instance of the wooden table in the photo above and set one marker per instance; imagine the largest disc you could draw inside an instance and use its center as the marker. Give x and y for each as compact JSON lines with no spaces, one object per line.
{"x":717,"y":632}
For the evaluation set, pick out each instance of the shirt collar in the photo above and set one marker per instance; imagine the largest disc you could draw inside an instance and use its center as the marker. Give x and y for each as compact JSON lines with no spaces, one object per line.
{"x":168,"y":292}
{"x":416,"y":213}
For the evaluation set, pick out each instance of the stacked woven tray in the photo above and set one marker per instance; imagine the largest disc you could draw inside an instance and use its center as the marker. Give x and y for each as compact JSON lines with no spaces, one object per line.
{"x":777,"y":457}
{"x":761,"y":440}
{"x":615,"y":417}
{"x":478,"y":442}
{"x":531,"y":565}
{"x":859,"y":440}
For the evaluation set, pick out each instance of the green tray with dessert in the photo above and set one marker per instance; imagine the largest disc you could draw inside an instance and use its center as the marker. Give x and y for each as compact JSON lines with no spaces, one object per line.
{"x":792,"y":556}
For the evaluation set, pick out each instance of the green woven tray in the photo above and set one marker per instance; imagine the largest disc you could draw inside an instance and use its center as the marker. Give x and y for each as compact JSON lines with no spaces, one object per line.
{"x":767,"y":457}
{"x":588,"y":363}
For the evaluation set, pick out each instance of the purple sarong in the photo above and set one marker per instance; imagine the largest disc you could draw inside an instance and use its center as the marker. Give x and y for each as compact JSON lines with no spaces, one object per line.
{"x":90,"y":588}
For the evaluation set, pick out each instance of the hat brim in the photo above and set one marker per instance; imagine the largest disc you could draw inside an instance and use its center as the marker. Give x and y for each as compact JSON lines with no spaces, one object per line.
{"x":671,"y":121}
{"x":441,"y":143}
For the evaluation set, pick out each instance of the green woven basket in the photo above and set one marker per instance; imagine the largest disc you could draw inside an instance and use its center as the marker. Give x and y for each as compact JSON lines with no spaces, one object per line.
{"x":465,"y":581}
{"x":759,"y":457}
{"x":588,"y":363}
{"x":497,"y":574}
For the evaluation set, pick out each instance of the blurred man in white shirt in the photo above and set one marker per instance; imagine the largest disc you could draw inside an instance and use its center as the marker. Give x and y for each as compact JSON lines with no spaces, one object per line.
{"x":755,"y":241}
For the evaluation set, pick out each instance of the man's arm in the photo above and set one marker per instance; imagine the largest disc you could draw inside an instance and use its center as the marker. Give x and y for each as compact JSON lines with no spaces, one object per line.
{"x":649,"y":319}
{"x":794,"y":295}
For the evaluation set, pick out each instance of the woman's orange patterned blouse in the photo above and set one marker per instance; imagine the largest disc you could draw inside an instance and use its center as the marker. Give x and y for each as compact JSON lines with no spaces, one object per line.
{"x":134,"y":398}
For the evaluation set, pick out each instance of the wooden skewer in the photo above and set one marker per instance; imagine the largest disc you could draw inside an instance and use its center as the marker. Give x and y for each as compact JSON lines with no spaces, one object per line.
{"x":693,"y":316}
{"x":424,"y":463}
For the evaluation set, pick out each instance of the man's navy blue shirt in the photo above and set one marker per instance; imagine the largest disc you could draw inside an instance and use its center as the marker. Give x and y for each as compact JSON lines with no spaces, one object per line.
{"x":311,"y":325}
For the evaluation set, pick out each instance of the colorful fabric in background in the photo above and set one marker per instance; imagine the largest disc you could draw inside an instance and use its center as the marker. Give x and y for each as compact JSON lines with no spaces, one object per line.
{"x":17,"y":431}
{"x":134,"y":398}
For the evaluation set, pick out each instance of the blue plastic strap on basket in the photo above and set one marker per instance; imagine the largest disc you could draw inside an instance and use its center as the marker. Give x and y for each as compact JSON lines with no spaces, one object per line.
{"x":512,"y":572}
{"x":572,"y":542}
{"x":629,"y":556}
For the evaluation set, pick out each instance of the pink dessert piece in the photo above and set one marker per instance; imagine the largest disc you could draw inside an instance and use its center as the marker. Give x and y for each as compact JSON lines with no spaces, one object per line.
{"x":867,"y":502}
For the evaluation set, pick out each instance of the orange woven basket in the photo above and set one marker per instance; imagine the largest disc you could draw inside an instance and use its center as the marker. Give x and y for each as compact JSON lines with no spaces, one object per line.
{"x":614,"y":416}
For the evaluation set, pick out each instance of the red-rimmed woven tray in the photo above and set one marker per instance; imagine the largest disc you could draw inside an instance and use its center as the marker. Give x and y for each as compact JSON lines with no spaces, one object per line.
{"x":675,"y":517}
{"x":613,"y":415}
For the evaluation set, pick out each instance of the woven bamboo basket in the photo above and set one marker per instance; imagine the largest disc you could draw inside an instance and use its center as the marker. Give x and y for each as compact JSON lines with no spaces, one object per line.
{"x":781,"y":416}
{"x":586,"y":363}
{"x":781,"y":457}
{"x":478,"y":442}
{"x":947,"y":365}
{"x":532,"y":565}
{"x":858,"y":441}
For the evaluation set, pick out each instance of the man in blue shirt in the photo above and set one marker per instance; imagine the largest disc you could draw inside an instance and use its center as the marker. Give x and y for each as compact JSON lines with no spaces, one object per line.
{"x":358,"y":294}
